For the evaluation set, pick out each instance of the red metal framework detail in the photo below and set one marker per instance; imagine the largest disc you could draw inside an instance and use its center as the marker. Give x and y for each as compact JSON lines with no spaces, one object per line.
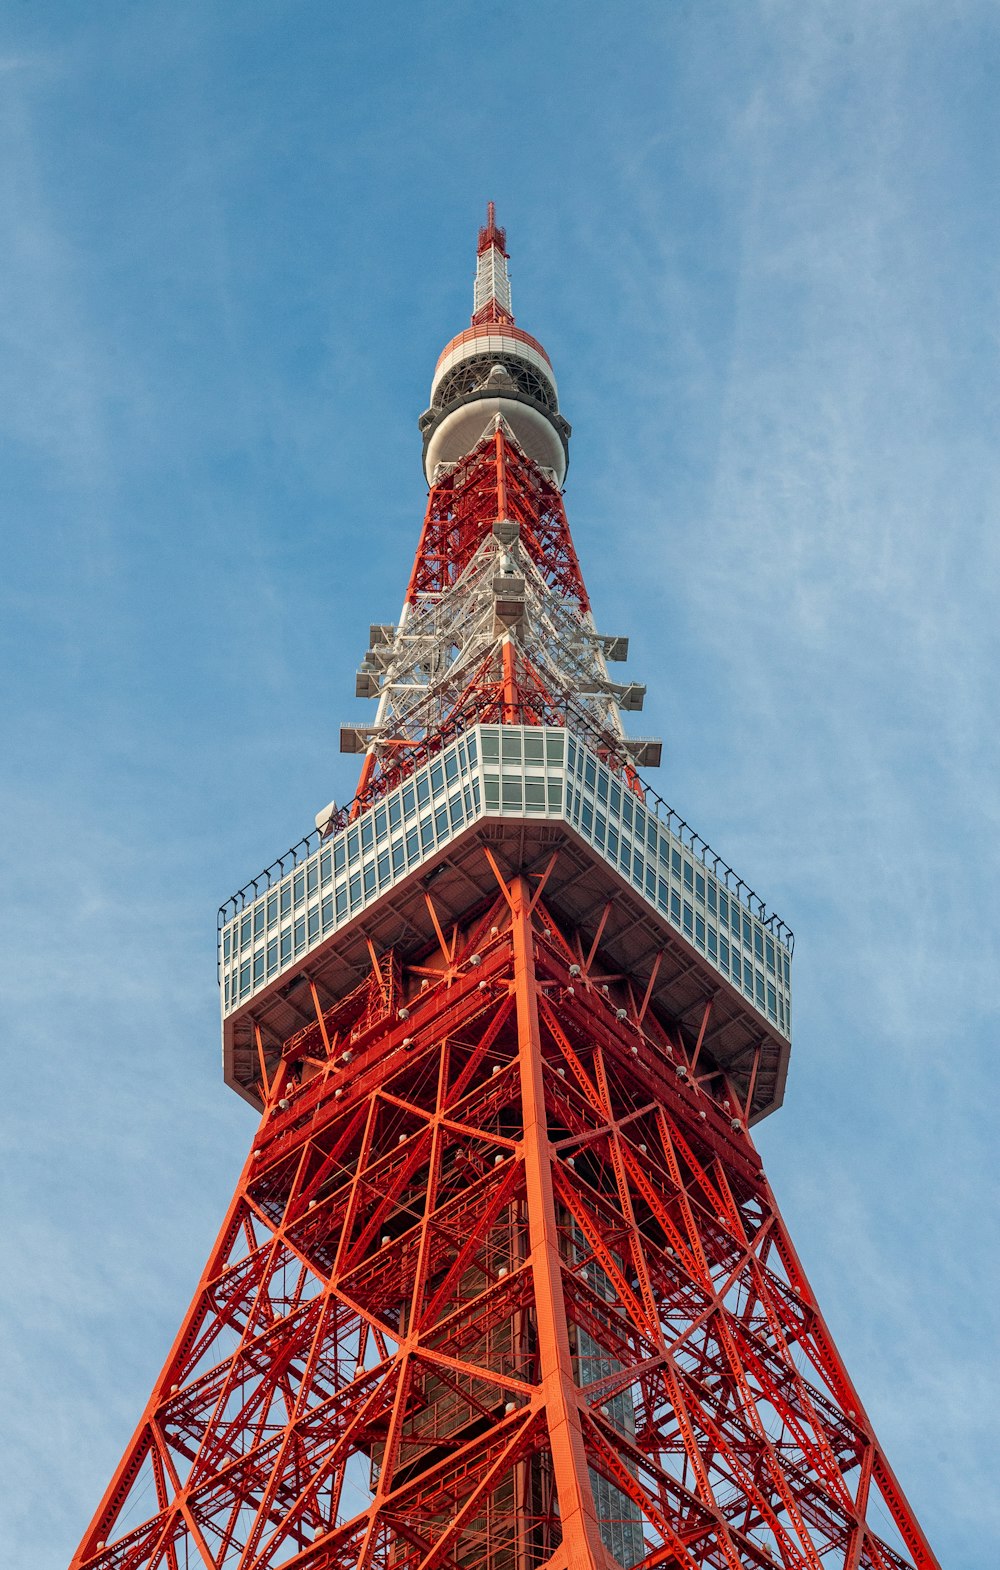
{"x":495,"y":481}
{"x":503,"y":1285}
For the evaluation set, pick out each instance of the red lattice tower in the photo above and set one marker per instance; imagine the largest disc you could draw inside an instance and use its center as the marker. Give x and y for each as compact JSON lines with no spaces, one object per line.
{"x":503,"y":1283}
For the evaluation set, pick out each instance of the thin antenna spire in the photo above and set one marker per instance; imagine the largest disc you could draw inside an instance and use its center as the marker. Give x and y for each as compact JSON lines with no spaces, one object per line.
{"x":491,"y":299}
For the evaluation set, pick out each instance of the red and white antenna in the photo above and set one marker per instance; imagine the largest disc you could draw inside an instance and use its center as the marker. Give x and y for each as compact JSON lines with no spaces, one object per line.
{"x":491,"y":299}
{"x":496,"y":625}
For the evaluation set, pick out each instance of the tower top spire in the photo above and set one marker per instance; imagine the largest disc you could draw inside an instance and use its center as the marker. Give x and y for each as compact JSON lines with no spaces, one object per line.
{"x":491,"y":299}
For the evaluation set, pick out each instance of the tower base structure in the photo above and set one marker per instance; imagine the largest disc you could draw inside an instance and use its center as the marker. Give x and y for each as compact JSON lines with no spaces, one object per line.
{"x":503,"y":1284}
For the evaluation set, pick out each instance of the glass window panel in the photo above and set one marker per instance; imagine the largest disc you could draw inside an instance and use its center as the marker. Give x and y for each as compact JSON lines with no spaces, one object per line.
{"x":286,"y":946}
{"x":299,"y":887}
{"x":490,"y":745}
{"x":312,"y":878}
{"x":272,"y":909}
{"x":534,"y":795}
{"x":339,"y":857}
{"x":380,"y":822}
{"x":512,"y":796}
{"x":423,"y":790}
{"x":314,"y":924}
{"x":492,"y":787}
{"x":554,"y":748}
{"x":246,"y":929}
{"x":699,"y":885}
{"x":533,"y":746}
{"x":325,"y":868}
{"x":675,"y":905}
{"x":300,"y":934}
{"x":510,"y":745}
{"x":272,"y":956}
{"x":437,"y":778}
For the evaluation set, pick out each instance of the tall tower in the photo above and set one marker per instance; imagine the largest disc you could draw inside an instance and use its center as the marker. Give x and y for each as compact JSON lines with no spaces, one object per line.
{"x":503,"y":1284}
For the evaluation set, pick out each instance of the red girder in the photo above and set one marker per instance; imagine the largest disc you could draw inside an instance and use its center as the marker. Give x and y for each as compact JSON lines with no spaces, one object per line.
{"x":386,"y":1360}
{"x":494,"y":481}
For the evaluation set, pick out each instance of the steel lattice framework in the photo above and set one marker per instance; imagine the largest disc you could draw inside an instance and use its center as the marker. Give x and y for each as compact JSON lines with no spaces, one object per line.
{"x":503,"y":1284}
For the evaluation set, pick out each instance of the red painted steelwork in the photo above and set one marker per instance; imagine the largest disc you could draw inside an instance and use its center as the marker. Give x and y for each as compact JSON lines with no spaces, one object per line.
{"x":495,"y":481}
{"x":386,"y":1362}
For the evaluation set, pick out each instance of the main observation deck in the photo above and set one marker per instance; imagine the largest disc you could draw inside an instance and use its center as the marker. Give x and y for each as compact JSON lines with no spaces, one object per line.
{"x":525,"y":791}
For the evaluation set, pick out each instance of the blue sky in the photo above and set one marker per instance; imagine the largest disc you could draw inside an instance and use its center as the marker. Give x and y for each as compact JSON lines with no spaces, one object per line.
{"x":759,"y":241}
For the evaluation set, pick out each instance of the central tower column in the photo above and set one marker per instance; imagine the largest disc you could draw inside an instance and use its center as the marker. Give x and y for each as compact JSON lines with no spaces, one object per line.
{"x":581,"y":1545}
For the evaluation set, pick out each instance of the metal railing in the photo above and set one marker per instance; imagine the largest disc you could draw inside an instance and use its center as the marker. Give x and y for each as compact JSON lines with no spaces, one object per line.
{"x":672,"y":821}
